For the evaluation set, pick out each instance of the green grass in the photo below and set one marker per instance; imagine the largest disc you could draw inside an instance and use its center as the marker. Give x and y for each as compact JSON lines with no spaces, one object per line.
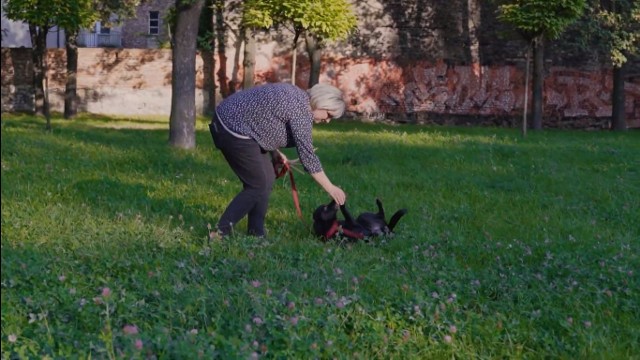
{"x":512,"y":248}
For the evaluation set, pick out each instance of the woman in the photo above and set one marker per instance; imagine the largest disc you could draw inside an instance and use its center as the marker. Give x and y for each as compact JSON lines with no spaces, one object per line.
{"x":253,"y":124}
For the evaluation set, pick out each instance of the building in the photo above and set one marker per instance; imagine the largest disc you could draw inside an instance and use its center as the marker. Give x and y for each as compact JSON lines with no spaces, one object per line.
{"x":148,"y":30}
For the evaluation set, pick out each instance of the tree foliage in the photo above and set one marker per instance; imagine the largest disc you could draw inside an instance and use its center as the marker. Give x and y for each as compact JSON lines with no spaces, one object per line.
{"x":546,"y":18}
{"x":619,"y":26}
{"x":319,"y":20}
{"x":76,"y":14}
{"x":537,"y":20}
{"x":69,"y":14}
{"x":40,"y":13}
{"x":326,"y":19}
{"x":122,"y":9}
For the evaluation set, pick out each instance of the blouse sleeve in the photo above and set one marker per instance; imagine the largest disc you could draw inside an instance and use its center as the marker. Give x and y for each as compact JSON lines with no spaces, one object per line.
{"x":301,"y":131}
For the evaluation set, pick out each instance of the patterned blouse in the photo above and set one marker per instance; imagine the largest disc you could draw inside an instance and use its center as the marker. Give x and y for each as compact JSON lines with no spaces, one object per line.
{"x":275,"y":115}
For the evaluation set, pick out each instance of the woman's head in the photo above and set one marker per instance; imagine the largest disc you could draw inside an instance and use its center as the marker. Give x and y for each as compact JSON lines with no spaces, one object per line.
{"x":328,"y":98}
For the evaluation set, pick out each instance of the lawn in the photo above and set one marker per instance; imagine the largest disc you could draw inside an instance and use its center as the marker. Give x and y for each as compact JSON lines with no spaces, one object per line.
{"x":518,"y":248}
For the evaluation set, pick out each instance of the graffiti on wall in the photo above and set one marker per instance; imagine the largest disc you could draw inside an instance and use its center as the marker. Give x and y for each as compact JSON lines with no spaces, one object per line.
{"x":384,"y":87}
{"x":135,"y":81}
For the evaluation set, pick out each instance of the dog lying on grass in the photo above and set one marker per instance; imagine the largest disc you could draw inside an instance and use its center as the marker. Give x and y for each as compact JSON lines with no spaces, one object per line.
{"x":367,"y":225}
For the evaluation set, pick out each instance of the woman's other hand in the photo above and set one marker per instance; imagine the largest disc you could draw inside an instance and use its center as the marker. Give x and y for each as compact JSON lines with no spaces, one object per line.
{"x":278,"y":157}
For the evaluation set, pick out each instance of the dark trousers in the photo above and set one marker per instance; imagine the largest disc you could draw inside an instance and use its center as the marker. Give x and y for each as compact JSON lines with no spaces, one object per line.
{"x":253,"y":167}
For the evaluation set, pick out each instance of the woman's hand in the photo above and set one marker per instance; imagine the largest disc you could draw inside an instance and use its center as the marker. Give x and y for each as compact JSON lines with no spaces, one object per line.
{"x":338,"y":195}
{"x":335,"y":192}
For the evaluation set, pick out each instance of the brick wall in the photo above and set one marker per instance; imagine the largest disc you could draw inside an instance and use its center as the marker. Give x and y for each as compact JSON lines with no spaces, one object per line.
{"x":138,"y":82}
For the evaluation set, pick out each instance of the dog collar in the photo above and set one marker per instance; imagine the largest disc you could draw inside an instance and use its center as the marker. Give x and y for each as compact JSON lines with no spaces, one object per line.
{"x":335,"y":227}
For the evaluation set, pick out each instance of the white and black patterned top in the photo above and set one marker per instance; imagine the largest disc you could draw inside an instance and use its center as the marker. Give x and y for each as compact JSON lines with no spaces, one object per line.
{"x":275,"y":115}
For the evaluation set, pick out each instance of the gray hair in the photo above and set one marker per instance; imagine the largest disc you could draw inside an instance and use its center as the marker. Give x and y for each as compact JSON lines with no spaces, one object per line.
{"x":327,"y":97}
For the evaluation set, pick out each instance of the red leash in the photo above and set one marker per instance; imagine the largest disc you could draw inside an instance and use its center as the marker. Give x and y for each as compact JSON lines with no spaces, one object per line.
{"x":285,"y":168}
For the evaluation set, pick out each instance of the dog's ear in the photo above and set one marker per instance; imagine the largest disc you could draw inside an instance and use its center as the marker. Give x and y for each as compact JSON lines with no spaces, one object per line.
{"x":332,"y":204}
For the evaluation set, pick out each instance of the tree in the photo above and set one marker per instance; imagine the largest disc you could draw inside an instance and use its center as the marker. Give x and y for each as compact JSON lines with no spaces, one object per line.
{"x":70,"y":15}
{"x":620,"y":25}
{"x":76,"y":15}
{"x":318,"y":20}
{"x":220,"y":30}
{"x":206,"y":44}
{"x":183,"y":77}
{"x":249,"y":58}
{"x":343,"y":21}
{"x":41,"y":16}
{"x":609,"y":29}
{"x":536,"y":21}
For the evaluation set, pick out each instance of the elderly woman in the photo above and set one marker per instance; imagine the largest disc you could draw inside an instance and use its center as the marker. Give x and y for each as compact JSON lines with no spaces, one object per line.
{"x":250,"y":126}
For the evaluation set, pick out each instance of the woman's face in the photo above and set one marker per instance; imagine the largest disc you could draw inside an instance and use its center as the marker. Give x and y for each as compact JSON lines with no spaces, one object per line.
{"x":321,"y":116}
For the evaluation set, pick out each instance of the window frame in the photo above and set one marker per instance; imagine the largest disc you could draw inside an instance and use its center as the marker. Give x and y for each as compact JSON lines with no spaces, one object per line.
{"x":153,"y":17}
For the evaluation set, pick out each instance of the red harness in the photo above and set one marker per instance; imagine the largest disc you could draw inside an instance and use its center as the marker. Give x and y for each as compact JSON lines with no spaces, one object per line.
{"x":336,"y":228}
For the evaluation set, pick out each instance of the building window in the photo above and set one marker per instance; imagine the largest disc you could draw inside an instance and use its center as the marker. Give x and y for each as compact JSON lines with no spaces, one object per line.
{"x":154,"y":22}
{"x":100,"y":28}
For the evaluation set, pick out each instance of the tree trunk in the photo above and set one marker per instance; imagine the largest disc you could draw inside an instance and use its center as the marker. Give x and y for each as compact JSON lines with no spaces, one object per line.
{"x":183,"y":76}
{"x":294,"y":57}
{"x":70,"y":90}
{"x":249,"y":61}
{"x":207,"y":30}
{"x":315,"y":56}
{"x":618,"y":121}
{"x":526,"y":92}
{"x":474,"y":20}
{"x":222,"y":52}
{"x":39,"y":53}
{"x":208,"y":82}
{"x":234,"y":82}
{"x":538,"y":81}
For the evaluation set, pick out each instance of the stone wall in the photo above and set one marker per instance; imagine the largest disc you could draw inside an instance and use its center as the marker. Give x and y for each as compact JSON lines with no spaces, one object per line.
{"x":17,"y":80}
{"x":138,"y":82}
{"x":110,"y":81}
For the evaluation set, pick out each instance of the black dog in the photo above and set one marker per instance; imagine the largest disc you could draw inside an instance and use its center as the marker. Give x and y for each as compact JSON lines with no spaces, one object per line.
{"x":327,"y":225}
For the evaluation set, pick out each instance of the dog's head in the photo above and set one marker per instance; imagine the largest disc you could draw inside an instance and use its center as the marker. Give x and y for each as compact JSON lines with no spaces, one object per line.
{"x":325,"y":219}
{"x":326,"y":213}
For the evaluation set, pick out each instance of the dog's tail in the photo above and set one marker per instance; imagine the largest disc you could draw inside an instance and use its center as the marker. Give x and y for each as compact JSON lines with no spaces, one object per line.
{"x":395,"y":218}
